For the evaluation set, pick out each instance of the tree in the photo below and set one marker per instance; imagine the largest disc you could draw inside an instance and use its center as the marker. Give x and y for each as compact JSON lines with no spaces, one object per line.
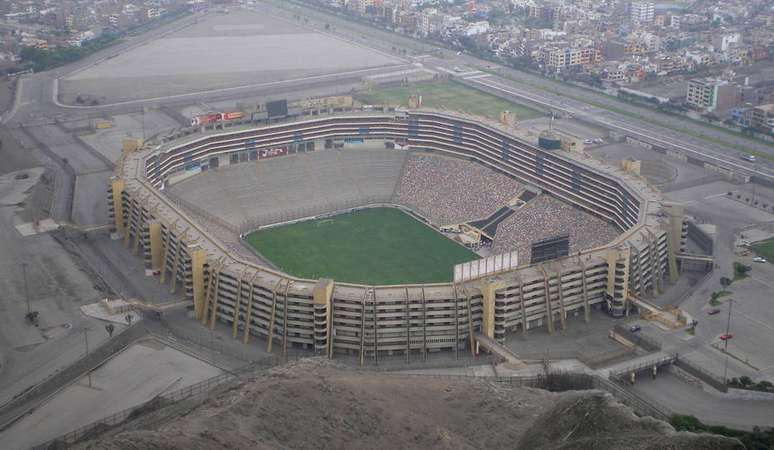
{"x":725,"y":282}
{"x":327,"y":26}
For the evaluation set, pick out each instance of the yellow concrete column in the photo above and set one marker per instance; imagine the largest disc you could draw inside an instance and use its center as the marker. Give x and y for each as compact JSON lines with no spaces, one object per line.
{"x":117,"y":187}
{"x":674,"y":237}
{"x":488,"y":289}
{"x":198,"y":257}
{"x":156,"y":246}
{"x":321,"y":298}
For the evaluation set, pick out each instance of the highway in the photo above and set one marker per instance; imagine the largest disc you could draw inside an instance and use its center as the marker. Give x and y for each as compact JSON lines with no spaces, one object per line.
{"x":606,"y":119}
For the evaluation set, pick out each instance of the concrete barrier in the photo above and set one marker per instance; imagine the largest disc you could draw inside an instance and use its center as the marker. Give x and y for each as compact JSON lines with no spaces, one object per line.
{"x":701,"y":374}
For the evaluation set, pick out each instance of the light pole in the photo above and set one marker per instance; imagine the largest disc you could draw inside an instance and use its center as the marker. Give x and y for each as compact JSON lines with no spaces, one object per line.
{"x":725,"y":345}
{"x":26,"y":288}
{"x":86,"y":339}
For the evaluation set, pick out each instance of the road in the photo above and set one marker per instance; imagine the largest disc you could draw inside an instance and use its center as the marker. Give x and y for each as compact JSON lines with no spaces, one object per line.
{"x":670,"y":391}
{"x":57,"y":288}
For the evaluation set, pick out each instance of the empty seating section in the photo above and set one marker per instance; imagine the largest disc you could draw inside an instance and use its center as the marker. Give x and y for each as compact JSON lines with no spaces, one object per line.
{"x":278,"y":187}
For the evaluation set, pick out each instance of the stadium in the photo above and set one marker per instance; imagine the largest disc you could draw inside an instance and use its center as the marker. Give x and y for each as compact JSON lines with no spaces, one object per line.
{"x":389,"y":231}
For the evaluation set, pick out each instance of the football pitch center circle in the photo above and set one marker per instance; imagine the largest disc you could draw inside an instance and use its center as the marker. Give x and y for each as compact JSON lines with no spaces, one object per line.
{"x":375,"y":246}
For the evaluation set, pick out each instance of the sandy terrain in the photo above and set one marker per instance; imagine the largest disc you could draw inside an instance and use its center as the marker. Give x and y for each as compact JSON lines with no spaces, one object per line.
{"x":312,"y":404}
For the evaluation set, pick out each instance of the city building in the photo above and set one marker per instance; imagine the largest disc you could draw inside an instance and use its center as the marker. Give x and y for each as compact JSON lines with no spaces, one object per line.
{"x":565,"y":57}
{"x":763,"y":118}
{"x":711,"y":94}
{"x":642,"y":12}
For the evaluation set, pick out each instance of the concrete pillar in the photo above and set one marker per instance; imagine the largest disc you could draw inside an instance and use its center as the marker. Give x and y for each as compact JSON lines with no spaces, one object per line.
{"x":676,"y":215}
{"x":549,"y":309}
{"x":618,"y":260}
{"x":523,"y":309}
{"x":198,"y":257}
{"x":156,"y":246}
{"x":321,"y":301}
{"x":562,"y":311}
{"x":117,"y":187}
{"x":488,"y":289}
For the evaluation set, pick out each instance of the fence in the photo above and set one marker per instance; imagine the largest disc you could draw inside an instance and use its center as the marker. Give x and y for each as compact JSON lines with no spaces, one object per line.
{"x":19,"y":406}
{"x":642,"y":366}
{"x":193,"y":391}
{"x":560,"y":381}
{"x":321,"y":209}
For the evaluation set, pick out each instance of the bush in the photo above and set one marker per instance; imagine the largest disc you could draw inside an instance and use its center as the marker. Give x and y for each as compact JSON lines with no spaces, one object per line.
{"x":740,"y":270}
{"x":42,"y":59}
{"x":756,"y":439}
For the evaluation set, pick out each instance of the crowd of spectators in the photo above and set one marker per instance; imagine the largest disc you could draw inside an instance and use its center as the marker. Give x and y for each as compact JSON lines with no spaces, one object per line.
{"x":545,"y":217}
{"x":450,"y":191}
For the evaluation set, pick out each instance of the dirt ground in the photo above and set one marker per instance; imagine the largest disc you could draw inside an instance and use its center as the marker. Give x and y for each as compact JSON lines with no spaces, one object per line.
{"x":313,"y":404}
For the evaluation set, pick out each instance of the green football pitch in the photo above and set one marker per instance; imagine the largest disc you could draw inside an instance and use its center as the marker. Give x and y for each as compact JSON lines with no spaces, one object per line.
{"x":371,"y":246}
{"x":450,"y":95}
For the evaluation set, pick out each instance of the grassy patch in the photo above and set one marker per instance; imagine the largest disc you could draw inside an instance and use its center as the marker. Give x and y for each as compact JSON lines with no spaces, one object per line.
{"x":373,"y":246}
{"x":758,"y":438}
{"x":764,"y":249}
{"x":449,"y":95}
{"x":740,"y":271}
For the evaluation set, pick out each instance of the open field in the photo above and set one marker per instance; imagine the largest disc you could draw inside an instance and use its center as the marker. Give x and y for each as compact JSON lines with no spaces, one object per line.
{"x":220,"y":51}
{"x":450,"y":95}
{"x":374,"y":246}
{"x":764,"y":249}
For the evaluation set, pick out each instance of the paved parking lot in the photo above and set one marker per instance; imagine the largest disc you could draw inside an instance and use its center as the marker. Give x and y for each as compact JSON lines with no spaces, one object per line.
{"x":136,"y":375}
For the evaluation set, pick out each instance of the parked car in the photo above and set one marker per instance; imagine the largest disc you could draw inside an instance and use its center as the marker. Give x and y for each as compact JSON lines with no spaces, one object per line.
{"x":726,"y":336}
{"x":588,"y":141}
{"x":713,"y":311}
{"x":759,"y":259}
{"x":635,"y":328}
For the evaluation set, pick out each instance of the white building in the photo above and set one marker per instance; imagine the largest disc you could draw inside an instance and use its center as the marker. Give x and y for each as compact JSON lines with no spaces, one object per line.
{"x":723,"y":42}
{"x":477,"y":28}
{"x":642,"y":12}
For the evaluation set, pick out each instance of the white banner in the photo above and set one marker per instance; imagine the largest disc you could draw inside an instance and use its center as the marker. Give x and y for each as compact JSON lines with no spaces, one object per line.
{"x":485,"y":266}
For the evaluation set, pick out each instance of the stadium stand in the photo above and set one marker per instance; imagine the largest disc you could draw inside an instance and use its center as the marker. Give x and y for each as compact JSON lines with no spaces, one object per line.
{"x":452,"y":191}
{"x":277,"y":186}
{"x":544,"y":217}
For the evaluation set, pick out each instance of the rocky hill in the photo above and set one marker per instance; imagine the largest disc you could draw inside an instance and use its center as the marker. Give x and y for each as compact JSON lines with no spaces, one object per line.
{"x":315,"y":404}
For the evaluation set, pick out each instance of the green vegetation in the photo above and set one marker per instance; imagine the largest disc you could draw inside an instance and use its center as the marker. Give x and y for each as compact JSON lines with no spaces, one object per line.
{"x":373,"y":246}
{"x":716,"y":295}
{"x":745,"y":382}
{"x":764,"y":249}
{"x":450,"y":95}
{"x":740,"y":271}
{"x":756,"y":439}
{"x":43,"y":59}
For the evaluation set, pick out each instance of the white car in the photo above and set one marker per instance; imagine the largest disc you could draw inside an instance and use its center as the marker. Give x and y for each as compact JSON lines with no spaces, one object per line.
{"x":588,"y":141}
{"x":758,"y":259}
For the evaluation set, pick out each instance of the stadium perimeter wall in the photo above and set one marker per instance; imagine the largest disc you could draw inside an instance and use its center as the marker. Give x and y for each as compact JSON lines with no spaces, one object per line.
{"x":332,"y":317}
